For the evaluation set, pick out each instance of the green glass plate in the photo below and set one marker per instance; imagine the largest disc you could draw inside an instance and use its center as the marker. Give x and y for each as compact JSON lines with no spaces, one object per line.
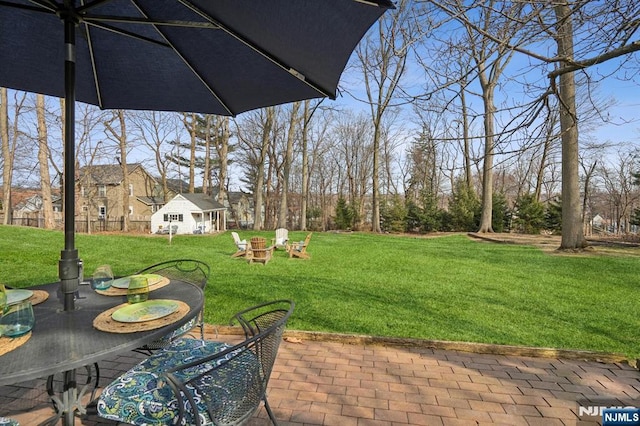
{"x":18,"y":295}
{"x":124,"y":281}
{"x":145,"y":311}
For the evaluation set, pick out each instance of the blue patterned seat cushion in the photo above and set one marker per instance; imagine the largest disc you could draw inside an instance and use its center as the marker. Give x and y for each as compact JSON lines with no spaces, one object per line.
{"x":142,"y":397}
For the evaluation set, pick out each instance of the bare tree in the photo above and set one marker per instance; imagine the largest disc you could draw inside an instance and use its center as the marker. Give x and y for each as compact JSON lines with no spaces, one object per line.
{"x":43,"y":160}
{"x":618,"y":182}
{"x":222,"y":147}
{"x":9,"y":146}
{"x":191,"y":124}
{"x":382,"y":57}
{"x":294,"y":120}
{"x":159,"y":131}
{"x":254,"y":134}
{"x":119,"y":134}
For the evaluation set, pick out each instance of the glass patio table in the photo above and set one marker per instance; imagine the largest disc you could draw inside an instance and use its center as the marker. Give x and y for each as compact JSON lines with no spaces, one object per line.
{"x":63,"y":341}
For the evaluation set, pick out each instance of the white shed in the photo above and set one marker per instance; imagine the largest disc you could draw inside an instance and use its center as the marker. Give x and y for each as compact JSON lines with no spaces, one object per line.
{"x":190,"y":214}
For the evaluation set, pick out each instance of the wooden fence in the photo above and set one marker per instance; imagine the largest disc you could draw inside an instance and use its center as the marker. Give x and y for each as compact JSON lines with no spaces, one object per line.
{"x":107,"y":225}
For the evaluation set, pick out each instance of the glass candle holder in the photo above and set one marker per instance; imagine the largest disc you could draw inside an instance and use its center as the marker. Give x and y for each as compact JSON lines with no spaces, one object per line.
{"x":18,"y":319}
{"x":138,"y":290}
{"x":102,"y":278}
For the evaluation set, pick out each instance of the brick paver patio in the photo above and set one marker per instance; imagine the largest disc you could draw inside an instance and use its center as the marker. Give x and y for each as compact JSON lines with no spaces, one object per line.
{"x":342,"y":384}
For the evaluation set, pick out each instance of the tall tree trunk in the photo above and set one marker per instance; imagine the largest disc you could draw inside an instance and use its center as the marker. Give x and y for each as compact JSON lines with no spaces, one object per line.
{"x":375,"y":187}
{"x":465,"y":138}
{"x":9,"y":146}
{"x":266,"y":134}
{"x":43,"y":159}
{"x":305,"y":167}
{"x":125,"y":172}
{"x":120,"y":135}
{"x":191,"y":128}
{"x":487,"y":168}
{"x":572,"y":232}
{"x":206,"y":174}
{"x":7,"y":166}
{"x":222,"y":149}
{"x":286,"y":168}
{"x":589,"y":171}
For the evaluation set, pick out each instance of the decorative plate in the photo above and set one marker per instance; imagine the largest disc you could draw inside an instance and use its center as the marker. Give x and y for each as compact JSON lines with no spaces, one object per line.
{"x":145,"y":311}
{"x":17,"y":295}
{"x":124,"y":281}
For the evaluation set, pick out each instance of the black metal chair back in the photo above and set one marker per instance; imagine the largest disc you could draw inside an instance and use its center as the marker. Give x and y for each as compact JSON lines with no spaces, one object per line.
{"x":190,"y":271}
{"x":232,"y":383}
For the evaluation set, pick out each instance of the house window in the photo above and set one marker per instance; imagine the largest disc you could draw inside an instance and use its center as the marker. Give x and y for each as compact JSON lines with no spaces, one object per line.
{"x":130,"y":210}
{"x":173,"y":217}
{"x":131,"y":190}
{"x":82,"y":193}
{"x":102,"y":191}
{"x":102,"y":212}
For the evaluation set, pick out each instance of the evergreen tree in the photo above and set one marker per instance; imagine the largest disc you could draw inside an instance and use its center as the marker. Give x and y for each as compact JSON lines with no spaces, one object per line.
{"x":500,"y":213}
{"x":393,"y":216}
{"x":553,"y":216}
{"x":464,"y":208}
{"x":344,"y":214}
{"x":530,"y":214}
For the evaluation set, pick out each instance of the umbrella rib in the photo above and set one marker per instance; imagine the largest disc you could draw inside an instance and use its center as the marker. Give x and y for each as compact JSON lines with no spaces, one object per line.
{"x":124,"y":32}
{"x":94,"y":69}
{"x":91,"y":5}
{"x":131,"y":20}
{"x":42,"y":6}
{"x":259,"y":50}
{"x":187,"y":63}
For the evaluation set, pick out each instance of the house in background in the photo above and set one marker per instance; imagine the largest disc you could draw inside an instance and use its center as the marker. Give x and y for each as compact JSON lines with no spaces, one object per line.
{"x":27,"y":209}
{"x":190,"y":214}
{"x":100,"y":191}
{"x":239,"y":208}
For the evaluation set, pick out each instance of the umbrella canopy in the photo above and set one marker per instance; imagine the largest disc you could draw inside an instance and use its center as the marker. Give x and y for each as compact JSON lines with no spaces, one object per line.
{"x":220,"y":57}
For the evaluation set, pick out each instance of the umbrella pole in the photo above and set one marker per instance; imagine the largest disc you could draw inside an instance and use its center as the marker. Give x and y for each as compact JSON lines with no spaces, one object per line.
{"x":68,"y":264}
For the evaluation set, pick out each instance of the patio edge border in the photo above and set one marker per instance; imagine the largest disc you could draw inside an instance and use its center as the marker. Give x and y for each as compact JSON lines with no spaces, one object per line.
{"x":479,"y":348}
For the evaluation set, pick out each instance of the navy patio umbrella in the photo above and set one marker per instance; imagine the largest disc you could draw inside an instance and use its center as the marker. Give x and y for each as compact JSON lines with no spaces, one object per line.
{"x":209,"y":56}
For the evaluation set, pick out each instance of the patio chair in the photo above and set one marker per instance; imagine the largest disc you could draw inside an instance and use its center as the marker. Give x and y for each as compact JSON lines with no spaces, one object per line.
{"x":300,"y":249}
{"x":241,"y":245}
{"x":196,"y":382}
{"x":186,"y":270}
{"x":257,"y":251}
{"x":281,"y":239}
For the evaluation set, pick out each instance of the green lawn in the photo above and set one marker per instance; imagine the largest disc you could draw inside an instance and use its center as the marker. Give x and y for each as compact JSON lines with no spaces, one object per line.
{"x":446,"y":288}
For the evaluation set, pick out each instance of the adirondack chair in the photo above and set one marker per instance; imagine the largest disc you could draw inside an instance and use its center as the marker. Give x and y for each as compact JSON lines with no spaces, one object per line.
{"x":241,"y":245}
{"x":281,"y":239}
{"x":299,"y":249}
{"x":257,"y":251}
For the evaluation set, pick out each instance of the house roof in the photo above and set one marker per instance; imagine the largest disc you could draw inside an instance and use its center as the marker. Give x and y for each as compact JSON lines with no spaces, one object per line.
{"x":151,"y":201}
{"x":106,"y":174}
{"x":233,"y":197}
{"x":21,"y":196}
{"x":177,"y":185}
{"x":204,"y":202}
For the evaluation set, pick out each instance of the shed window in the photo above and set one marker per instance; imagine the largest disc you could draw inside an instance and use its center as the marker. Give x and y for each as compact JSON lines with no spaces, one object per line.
{"x":173,"y":217}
